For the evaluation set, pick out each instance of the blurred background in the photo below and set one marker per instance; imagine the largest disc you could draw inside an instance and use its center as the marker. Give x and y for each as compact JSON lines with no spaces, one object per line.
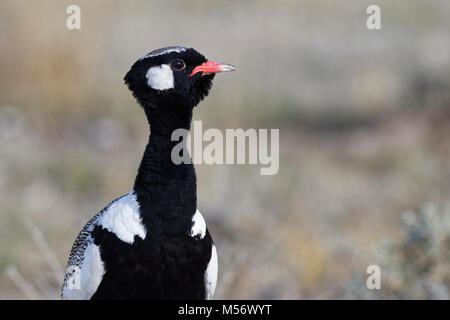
{"x":364,"y":119}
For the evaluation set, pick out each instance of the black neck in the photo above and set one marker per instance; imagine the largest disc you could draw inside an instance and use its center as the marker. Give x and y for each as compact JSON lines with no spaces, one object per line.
{"x":165,"y":191}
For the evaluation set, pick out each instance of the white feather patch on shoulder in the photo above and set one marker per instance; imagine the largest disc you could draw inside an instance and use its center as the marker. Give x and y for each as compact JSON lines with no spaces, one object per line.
{"x":160,"y":77}
{"x":199,"y":226}
{"x":123,"y":219}
{"x":211,"y":274}
{"x":83,"y":281}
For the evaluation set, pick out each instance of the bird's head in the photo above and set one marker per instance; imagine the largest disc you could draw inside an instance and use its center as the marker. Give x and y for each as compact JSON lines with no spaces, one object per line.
{"x":173,"y":77}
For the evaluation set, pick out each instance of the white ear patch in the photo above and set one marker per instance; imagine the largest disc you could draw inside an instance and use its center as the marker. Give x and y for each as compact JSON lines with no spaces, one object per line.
{"x":160,"y":77}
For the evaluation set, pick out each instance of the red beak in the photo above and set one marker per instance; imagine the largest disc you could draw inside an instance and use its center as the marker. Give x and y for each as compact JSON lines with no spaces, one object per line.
{"x":212,"y":67}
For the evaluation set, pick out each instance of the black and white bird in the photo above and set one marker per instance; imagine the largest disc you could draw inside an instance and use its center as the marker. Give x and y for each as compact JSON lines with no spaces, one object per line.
{"x":153,"y":242}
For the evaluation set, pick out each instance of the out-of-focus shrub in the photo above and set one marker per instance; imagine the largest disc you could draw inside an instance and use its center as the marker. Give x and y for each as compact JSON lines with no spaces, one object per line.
{"x":417,"y":266}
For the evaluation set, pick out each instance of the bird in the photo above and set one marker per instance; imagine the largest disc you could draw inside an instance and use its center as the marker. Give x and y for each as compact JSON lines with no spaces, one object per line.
{"x":153,"y":243}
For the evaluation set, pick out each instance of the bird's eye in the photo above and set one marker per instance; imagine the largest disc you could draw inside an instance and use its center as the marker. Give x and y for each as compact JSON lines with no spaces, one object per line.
{"x":178,"y":64}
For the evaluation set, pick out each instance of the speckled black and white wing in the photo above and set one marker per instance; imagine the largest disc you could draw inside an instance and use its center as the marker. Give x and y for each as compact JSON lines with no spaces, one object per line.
{"x":83,"y":258}
{"x":85,"y":267}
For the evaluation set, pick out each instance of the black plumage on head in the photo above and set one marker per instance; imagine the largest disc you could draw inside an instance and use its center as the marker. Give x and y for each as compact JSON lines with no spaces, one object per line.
{"x":187,"y":90}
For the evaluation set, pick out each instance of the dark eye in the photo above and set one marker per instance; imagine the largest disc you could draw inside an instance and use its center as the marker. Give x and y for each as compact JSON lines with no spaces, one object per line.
{"x":177,"y":64}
